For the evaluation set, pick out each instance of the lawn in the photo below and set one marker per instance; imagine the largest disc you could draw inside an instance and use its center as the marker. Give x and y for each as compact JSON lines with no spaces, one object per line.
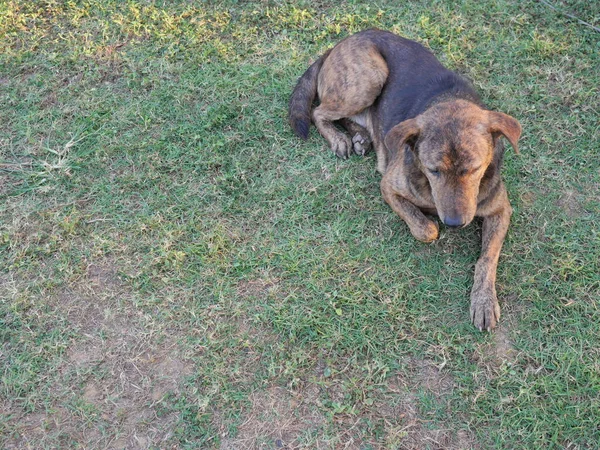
{"x":178,"y":270}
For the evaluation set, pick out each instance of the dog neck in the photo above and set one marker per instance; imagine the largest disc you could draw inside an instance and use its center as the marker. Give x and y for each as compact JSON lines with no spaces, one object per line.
{"x":398,"y":105}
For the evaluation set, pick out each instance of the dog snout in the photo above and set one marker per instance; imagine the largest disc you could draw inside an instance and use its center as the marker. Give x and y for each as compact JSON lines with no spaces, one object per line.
{"x":454,"y":222}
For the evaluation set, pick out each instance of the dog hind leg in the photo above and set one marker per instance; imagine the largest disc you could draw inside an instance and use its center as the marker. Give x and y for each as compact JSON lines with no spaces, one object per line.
{"x":350,"y":80}
{"x":323,"y":118}
{"x":361,"y":140}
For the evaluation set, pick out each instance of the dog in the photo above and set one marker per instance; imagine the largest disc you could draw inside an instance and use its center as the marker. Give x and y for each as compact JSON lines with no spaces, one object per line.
{"x":439,"y":150}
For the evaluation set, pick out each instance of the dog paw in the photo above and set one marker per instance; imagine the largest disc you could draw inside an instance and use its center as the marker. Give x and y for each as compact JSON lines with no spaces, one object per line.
{"x":429,"y":232}
{"x":361,"y":144}
{"x":485,"y":310}
{"x":342,"y":147}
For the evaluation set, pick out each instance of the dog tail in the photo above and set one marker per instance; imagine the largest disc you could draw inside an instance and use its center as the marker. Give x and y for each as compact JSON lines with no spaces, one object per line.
{"x":302,"y":98}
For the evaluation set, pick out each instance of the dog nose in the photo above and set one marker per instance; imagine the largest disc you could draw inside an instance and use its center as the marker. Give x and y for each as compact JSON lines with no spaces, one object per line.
{"x":454,"y":222}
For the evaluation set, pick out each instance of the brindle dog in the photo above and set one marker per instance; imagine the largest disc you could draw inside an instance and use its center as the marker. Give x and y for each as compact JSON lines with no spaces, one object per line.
{"x":438,"y":149}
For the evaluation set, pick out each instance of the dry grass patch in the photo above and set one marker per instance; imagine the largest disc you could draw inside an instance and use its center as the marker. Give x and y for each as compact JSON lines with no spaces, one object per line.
{"x":407,"y":411}
{"x":323,"y":414}
{"x":109,"y":388}
{"x":280,"y":418}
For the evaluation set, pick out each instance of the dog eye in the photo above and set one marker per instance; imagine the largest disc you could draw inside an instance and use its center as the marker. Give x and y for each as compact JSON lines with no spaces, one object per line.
{"x":464,"y":172}
{"x":434,"y":172}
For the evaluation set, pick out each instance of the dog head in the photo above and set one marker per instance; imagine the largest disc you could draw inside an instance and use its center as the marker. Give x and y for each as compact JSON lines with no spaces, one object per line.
{"x":454,"y":144}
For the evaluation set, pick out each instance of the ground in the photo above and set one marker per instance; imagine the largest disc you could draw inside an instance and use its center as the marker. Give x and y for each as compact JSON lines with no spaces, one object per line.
{"x":178,"y":270}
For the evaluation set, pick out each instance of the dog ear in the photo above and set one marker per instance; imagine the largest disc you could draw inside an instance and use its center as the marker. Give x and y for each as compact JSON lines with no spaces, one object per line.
{"x":402,"y":133}
{"x":506,"y":125}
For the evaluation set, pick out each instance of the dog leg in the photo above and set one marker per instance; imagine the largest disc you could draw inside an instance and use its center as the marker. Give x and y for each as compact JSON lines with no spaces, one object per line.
{"x":323,"y":117}
{"x":350,"y":80}
{"x":420,"y":226}
{"x":485,"y":311}
{"x":381,"y":152}
{"x":361,"y":141}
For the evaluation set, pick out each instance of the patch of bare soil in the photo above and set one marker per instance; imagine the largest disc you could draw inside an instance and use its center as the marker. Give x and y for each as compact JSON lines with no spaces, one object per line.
{"x":108,"y":391}
{"x":497,"y":351}
{"x":570,"y":203}
{"x":407,"y":426}
{"x":260,"y":287}
{"x":279,"y":418}
{"x":502,"y":346}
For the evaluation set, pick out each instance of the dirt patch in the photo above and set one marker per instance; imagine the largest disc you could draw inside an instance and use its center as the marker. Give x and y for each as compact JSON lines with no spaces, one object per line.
{"x":324,"y":414}
{"x":528,"y":198}
{"x":408,"y":424}
{"x":114,"y":376}
{"x":249,"y":290}
{"x":502,"y":346}
{"x":103,"y":276}
{"x":496,"y":351}
{"x":430,"y":377}
{"x":279,"y":418}
{"x":110,"y":62}
{"x":258,"y":288}
{"x":570,"y":203}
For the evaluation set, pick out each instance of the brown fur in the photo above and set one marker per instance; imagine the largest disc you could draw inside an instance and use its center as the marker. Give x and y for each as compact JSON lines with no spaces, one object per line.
{"x":437,"y":148}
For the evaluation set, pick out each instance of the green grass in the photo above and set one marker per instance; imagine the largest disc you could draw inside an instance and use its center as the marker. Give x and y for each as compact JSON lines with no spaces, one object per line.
{"x":178,"y":270}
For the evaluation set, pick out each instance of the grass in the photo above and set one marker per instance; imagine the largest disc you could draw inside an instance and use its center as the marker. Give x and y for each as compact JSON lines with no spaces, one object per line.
{"x":178,"y":270}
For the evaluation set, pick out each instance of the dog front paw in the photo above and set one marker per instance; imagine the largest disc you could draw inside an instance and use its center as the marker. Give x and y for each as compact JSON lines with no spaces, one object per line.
{"x":485,"y":310}
{"x":427,"y":232}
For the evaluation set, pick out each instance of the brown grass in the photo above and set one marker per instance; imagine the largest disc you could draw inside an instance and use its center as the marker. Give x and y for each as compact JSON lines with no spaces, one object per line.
{"x":112,"y":381}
